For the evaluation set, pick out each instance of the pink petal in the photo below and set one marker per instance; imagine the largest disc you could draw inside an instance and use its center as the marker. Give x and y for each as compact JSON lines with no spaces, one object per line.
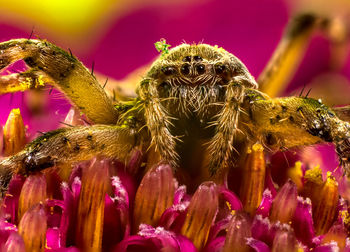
{"x":173,"y":217}
{"x":121,"y":203}
{"x":5,"y":231}
{"x":265,"y":205}
{"x":230,"y":198}
{"x":136,"y":243}
{"x":155,"y":239}
{"x":112,"y":229}
{"x":302,"y":221}
{"x":53,"y":239}
{"x":14,"y":243}
{"x":330,"y":247}
{"x":215,"y":245}
{"x":239,"y":229}
{"x":218,"y":227}
{"x":284,"y":240}
{"x":257,"y":245}
{"x":285,"y":203}
{"x":261,"y":229}
{"x":10,"y":202}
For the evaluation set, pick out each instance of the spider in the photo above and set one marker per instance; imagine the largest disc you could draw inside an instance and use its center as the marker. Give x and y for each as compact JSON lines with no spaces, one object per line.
{"x":196,"y":102}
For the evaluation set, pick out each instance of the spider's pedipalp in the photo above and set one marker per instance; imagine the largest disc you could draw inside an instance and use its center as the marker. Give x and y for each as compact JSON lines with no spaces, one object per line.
{"x":222,"y":144}
{"x":67,"y":146}
{"x":158,"y":122}
{"x":63,"y":70}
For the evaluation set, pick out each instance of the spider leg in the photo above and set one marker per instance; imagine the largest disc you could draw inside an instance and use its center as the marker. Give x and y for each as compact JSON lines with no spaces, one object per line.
{"x":221,"y":146}
{"x":158,"y":123}
{"x":65,"y":72}
{"x":290,"y":122}
{"x":68,"y":145}
{"x":288,"y":53}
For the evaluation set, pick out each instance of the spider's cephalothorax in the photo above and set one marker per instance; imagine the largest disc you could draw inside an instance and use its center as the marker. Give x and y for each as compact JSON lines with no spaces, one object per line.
{"x":197,"y":75}
{"x":201,"y":86}
{"x":196,"y":103}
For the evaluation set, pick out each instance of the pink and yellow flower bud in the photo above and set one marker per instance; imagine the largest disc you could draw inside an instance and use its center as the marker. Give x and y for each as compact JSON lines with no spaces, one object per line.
{"x":239,"y":230}
{"x":201,"y":214}
{"x":32,"y":228}
{"x":15,"y":243}
{"x":324,"y":196}
{"x":32,"y":193}
{"x":285,"y":203}
{"x":253,"y":179}
{"x":14,"y":133}
{"x":338,"y":234}
{"x":154,"y":195}
{"x":313,"y":184}
{"x":325,"y":207}
{"x":90,"y":214}
{"x":284,"y":241}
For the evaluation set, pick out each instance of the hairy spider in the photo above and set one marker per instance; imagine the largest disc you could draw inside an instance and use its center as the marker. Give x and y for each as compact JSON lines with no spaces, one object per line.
{"x":195,"y":101}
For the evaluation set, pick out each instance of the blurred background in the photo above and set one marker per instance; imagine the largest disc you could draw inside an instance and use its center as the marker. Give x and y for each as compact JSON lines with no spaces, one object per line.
{"x":119,"y":36}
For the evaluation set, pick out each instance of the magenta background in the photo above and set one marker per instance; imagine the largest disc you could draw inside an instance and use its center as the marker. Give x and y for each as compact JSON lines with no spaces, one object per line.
{"x":249,"y":29}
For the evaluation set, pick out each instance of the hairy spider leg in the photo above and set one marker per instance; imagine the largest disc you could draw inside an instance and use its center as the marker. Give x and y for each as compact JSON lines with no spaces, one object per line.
{"x":51,"y":64}
{"x":289,"y":53}
{"x":281,"y":123}
{"x":221,"y":146}
{"x":158,"y":123}
{"x":69,"y":145}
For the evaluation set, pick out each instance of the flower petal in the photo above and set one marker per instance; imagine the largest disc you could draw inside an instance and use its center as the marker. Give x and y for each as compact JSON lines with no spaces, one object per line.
{"x":155,"y":239}
{"x":338,"y":234}
{"x":218,"y":227}
{"x":324,"y":209}
{"x":201,"y":214}
{"x":91,"y":204}
{"x":15,"y":243}
{"x":284,"y":241}
{"x":233,"y":202}
{"x":14,"y":133}
{"x":329,"y":247}
{"x":33,"y":192}
{"x":284,"y":204}
{"x":265,"y":205}
{"x":6,"y":229}
{"x":253,"y":179}
{"x":32,"y":228}
{"x":215,"y":245}
{"x":53,"y":239}
{"x":154,"y":195}
{"x":257,"y":245}
{"x":238,"y":231}
{"x":302,"y":221}
{"x":10,"y":201}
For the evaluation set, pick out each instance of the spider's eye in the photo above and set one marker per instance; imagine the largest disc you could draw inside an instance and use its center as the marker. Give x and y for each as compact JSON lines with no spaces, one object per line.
{"x":197,"y":58}
{"x":200,"y":69}
{"x":219,"y":69}
{"x":187,"y":59}
{"x":168,"y":70}
{"x":185,"y":69}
